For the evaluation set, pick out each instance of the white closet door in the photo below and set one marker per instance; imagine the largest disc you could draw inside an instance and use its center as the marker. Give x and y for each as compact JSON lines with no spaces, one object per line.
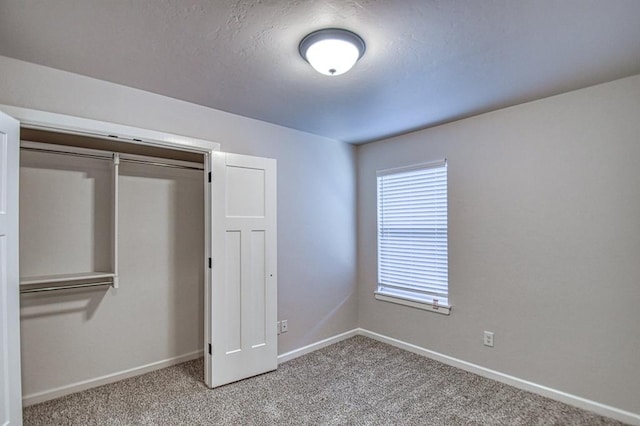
{"x":10,"y":389}
{"x":243,"y":275}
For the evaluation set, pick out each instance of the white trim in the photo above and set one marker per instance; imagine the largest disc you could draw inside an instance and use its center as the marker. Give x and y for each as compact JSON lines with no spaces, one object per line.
{"x":61,"y":123}
{"x":288,"y":356}
{"x":576,"y":401}
{"x":430,"y":165}
{"x":66,"y":124}
{"x":38,"y":397}
{"x":426,"y":306}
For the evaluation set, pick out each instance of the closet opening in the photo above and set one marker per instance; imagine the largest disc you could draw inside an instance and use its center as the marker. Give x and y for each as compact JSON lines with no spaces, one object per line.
{"x":112,"y":243}
{"x":196,"y":236}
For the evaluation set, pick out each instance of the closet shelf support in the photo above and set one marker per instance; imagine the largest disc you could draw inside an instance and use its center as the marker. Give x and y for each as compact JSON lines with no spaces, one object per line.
{"x":114,"y":219}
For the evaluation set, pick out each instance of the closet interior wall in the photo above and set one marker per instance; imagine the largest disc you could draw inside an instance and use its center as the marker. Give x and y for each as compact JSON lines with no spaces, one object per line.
{"x":156,"y":315}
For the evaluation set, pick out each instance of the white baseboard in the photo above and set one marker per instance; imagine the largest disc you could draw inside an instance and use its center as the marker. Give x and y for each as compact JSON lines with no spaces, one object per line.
{"x":576,"y":401}
{"x":315,"y":346}
{"x":43,"y":396}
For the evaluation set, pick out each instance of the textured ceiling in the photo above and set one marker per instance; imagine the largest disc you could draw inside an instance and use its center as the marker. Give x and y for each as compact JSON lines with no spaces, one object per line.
{"x":427,"y":61}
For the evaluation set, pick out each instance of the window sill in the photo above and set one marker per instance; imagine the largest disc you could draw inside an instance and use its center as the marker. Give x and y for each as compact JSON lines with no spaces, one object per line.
{"x":439,"y":309}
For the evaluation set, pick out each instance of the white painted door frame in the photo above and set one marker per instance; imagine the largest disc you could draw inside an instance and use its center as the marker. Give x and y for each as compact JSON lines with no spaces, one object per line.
{"x":10,"y":384}
{"x":60,"y":123}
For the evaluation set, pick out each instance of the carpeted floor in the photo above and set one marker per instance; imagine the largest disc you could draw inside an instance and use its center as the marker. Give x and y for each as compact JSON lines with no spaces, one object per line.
{"x":357,"y":382}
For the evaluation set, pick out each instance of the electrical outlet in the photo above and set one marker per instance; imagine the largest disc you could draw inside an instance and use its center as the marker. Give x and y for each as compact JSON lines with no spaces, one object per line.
{"x":278,"y":327}
{"x":284,"y":326}
{"x":488,"y":338}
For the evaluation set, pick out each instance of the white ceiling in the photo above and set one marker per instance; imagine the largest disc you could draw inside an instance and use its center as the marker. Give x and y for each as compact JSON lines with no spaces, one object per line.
{"x":427,"y":61}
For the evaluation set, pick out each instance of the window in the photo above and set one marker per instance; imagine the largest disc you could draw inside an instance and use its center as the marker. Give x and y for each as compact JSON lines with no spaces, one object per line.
{"x":412,"y":236}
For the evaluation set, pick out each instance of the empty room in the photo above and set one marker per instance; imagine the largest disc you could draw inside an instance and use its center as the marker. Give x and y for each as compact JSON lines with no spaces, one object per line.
{"x":420,"y":212}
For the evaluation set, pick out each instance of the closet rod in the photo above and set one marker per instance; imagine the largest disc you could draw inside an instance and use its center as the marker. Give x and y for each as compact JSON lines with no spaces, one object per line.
{"x":100,"y":157}
{"x":64,"y":287}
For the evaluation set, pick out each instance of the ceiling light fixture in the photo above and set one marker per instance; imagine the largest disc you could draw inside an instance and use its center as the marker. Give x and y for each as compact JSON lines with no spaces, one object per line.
{"x":332,"y":51}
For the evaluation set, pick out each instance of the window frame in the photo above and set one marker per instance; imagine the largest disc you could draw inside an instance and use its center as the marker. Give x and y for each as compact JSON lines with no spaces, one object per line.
{"x":397,"y":294}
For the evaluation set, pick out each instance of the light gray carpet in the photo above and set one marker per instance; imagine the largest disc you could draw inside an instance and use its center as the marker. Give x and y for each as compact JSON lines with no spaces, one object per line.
{"x":357,"y":382}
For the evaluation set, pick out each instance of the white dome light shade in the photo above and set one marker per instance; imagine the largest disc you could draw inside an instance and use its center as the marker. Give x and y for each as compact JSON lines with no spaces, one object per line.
{"x":332,"y":51}
{"x":332,"y":57}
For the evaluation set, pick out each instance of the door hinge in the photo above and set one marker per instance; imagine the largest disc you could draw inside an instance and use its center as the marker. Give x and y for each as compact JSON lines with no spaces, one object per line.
{"x":210,"y":263}
{"x":209,"y":176}
{"x":209,"y":348}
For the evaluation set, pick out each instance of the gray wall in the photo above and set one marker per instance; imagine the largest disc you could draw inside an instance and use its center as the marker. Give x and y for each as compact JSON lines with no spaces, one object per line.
{"x":65,"y":227}
{"x":316,"y":185}
{"x":544,"y":238}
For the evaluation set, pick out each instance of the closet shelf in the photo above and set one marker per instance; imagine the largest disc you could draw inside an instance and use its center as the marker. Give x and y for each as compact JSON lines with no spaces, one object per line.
{"x":66,"y":278}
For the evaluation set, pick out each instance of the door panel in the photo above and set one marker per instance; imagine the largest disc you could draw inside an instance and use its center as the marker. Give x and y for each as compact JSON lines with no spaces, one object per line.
{"x":257,"y":290}
{"x":10,"y":387}
{"x":244,"y":279}
{"x":240,"y":182}
{"x":233,"y":288}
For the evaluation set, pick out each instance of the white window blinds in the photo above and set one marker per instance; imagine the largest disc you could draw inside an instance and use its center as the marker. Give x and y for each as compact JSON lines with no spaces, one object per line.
{"x":412,"y":234}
